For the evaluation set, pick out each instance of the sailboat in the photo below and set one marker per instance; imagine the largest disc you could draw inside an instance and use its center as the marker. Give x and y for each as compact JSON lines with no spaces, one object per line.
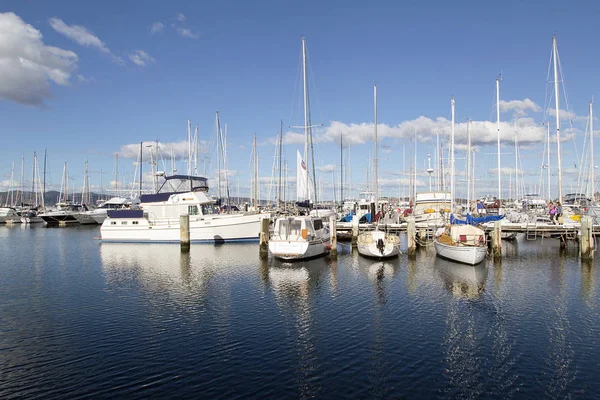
{"x":377,"y":243}
{"x":304,"y":236}
{"x":461,"y":243}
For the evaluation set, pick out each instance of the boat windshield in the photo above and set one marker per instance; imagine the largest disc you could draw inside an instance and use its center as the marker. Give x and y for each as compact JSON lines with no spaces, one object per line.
{"x":183,"y":183}
{"x":290,"y":229}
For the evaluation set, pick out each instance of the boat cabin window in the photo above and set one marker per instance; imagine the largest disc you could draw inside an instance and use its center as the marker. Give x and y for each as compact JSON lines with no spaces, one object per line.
{"x":193,"y":210}
{"x":208,"y":209}
{"x":318,"y":224}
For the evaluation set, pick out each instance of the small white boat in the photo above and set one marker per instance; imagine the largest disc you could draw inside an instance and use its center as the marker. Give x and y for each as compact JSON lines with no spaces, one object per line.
{"x":9,"y":215}
{"x":98,"y":215}
{"x":461,"y":243}
{"x":378,"y":244}
{"x":299,"y":238}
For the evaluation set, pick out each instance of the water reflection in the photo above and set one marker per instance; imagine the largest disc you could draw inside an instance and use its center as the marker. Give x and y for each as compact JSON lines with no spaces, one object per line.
{"x":293,"y":285}
{"x":463,"y":281}
{"x":561,"y":354}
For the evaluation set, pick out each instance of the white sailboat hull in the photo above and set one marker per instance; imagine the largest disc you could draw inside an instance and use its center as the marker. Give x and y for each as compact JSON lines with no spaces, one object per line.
{"x":207,"y":229}
{"x":378,"y":244}
{"x":299,"y":249}
{"x":471,"y":255}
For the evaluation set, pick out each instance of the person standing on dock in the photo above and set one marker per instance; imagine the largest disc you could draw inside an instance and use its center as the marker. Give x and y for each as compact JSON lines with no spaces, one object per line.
{"x":559,"y":214}
{"x":480,"y":208}
{"x":552,"y":212}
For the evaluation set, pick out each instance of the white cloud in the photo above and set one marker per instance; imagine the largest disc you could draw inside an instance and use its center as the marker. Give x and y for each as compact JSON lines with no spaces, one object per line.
{"x":157,"y":27}
{"x":140,"y":58}
{"x":82,"y":36}
{"x":519,"y":107}
{"x":180,"y":17}
{"x":187,"y":33}
{"x":79,"y":34}
{"x":326,"y":168}
{"x":567,"y":116}
{"x":483,"y":132}
{"x":27,"y":65}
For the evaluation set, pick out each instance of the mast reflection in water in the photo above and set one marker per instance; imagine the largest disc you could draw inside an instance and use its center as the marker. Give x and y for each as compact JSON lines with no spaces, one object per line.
{"x":80,"y":318}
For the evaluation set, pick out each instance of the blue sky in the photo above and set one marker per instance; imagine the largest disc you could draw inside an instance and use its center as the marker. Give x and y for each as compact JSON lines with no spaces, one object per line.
{"x":119,"y":82}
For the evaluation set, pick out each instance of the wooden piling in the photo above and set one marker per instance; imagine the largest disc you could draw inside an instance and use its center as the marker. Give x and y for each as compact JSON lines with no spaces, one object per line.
{"x":354,"y":230}
{"x":411,"y":232}
{"x":586,"y":242}
{"x":184,"y":232}
{"x":497,"y":239}
{"x":333,"y":234}
{"x":264,"y":238}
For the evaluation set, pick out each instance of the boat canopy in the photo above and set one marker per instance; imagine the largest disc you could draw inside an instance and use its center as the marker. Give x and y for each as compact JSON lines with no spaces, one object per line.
{"x":184,"y":183}
{"x":467,"y":234}
{"x":471,"y":220}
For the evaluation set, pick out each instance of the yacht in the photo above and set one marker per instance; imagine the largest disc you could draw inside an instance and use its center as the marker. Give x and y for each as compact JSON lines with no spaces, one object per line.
{"x":158,"y":218}
{"x":98,"y":215}
{"x":63,"y":215}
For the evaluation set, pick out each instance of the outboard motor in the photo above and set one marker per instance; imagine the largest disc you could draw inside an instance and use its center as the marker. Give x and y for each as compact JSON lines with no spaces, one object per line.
{"x":380,"y":245}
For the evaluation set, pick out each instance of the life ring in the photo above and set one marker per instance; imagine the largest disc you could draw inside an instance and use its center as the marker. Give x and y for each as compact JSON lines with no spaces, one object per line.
{"x":175,"y":198}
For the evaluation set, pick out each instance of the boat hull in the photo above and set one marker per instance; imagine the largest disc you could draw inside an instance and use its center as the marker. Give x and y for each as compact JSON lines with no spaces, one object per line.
{"x":378,"y":245}
{"x":471,"y":255}
{"x":86,"y":218}
{"x":203,"y":229}
{"x":295,"y":250}
{"x":58,"y":218}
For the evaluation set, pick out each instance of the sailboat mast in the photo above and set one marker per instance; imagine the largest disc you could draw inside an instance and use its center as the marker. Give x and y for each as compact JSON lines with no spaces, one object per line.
{"x":141,"y":164}
{"x":498,"y":130}
{"x":516,"y":163}
{"x":255,"y":200}
{"x":452,"y":160}
{"x":592,"y":166}
{"x":218,"y":157}
{"x":341,"y":169}
{"x":189,"y":132}
{"x":280,"y":157}
{"x":469,"y":164}
{"x":556,"y":98}
{"x":305,"y":80}
{"x":548,"y":155}
{"x":33,"y":194}
{"x":44,"y":189}
{"x":375,"y":171}
{"x":117,"y":173}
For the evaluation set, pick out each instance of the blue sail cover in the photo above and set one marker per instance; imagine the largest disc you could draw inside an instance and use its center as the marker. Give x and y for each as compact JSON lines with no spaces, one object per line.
{"x":348,"y":217}
{"x":471,"y":220}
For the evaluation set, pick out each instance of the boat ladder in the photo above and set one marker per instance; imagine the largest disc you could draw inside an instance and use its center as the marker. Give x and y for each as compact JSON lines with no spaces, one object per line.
{"x":531,"y":231}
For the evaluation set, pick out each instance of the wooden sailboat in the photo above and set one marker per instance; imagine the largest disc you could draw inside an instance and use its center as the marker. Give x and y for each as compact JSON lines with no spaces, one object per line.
{"x":377,"y":243}
{"x":301,"y":237}
{"x":461,"y":243}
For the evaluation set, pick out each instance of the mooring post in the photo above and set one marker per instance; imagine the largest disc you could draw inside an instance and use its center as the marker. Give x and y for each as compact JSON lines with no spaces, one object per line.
{"x":411,"y":232}
{"x":264,"y":237}
{"x":586,"y":243}
{"x":333,"y":233}
{"x":184,"y":232}
{"x":354,"y":230}
{"x":497,"y":239}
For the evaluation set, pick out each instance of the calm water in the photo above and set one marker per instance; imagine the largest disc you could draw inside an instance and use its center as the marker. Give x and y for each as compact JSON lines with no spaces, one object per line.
{"x":83,"y":319}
